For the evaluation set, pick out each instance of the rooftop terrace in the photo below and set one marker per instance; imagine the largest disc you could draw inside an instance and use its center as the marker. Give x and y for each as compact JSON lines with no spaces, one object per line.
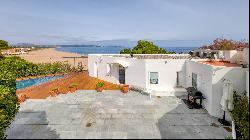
{"x":220,"y":63}
{"x":87,"y":114}
{"x":84,"y":82}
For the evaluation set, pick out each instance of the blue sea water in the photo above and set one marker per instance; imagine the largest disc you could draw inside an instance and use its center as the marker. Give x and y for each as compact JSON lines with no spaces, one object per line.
{"x":91,"y":49}
{"x":36,"y":81}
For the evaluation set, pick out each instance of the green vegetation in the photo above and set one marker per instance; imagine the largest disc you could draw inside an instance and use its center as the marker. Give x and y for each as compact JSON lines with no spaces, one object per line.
{"x":54,"y":89}
{"x":226,"y":44}
{"x":72,"y":85}
{"x":21,"y":68}
{"x":240,"y":115}
{"x":229,"y":137}
{"x":100,"y":84}
{"x":8,"y":100}
{"x":12,"y":68}
{"x":145,"y":47}
{"x":8,"y":107}
{"x":4,"y":45}
{"x":15,"y":67}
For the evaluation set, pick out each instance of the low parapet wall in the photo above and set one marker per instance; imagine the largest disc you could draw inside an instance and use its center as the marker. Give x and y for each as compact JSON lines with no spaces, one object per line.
{"x":149,"y":56}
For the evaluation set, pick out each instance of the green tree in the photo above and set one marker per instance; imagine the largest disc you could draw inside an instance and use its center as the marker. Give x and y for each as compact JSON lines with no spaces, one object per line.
{"x":125,"y":51}
{"x":3,"y":45}
{"x":145,"y":47}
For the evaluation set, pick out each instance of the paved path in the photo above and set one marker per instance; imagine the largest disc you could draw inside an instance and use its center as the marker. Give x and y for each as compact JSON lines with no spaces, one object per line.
{"x":87,"y":114}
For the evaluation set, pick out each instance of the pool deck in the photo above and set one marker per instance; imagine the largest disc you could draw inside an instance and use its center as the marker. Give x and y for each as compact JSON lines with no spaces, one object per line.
{"x":88,"y":114}
{"x":84,"y":81}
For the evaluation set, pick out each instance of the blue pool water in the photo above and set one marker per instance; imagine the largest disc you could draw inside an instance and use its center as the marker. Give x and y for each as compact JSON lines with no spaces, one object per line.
{"x":36,"y":81}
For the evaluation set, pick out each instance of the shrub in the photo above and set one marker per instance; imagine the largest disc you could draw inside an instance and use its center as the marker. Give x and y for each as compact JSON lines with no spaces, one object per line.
{"x":240,"y":115}
{"x":8,"y":107}
{"x":21,"y":68}
{"x":54,"y":89}
{"x":100,"y":84}
{"x":73,"y":85}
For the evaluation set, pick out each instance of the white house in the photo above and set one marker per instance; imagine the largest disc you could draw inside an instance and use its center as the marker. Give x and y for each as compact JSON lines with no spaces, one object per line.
{"x":140,"y":71}
{"x":168,"y":74}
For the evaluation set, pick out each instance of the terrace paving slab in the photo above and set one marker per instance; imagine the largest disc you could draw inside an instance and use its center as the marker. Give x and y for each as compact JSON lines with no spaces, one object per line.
{"x":88,"y":114}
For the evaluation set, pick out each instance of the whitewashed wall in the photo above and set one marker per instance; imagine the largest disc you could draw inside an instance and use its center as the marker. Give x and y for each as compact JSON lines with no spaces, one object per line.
{"x":137,"y":73}
{"x":167,"y":73}
{"x":236,"y":75}
{"x":134,"y":73}
{"x":204,"y":84}
{"x":246,"y":55}
{"x":229,"y":54}
{"x":234,"y":56}
{"x":210,"y":83}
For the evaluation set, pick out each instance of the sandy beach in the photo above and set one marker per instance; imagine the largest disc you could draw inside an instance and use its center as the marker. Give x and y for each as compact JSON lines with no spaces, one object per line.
{"x":50,"y":55}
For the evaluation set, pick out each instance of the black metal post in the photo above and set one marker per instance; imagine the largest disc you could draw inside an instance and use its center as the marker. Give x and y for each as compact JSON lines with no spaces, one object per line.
{"x":223,"y":120}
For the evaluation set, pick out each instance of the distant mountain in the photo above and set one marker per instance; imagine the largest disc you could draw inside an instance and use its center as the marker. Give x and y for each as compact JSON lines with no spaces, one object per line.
{"x":118,"y":46}
{"x":23,"y":44}
{"x":117,"y":42}
{"x":33,"y":45}
{"x":80,"y":45}
{"x":161,"y":43}
{"x":125,"y":43}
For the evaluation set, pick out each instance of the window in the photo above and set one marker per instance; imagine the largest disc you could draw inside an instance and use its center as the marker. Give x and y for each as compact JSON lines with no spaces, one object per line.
{"x":194,"y":80}
{"x":108,"y":69}
{"x":153,"y":77}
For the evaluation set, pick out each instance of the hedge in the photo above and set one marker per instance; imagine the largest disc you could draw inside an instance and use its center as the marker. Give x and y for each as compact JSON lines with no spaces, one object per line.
{"x":240,"y":115}
{"x":21,"y":68}
{"x":8,"y":104}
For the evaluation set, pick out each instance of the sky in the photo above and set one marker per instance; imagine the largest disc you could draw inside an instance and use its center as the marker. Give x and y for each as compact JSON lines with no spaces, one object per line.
{"x":169,"y":22}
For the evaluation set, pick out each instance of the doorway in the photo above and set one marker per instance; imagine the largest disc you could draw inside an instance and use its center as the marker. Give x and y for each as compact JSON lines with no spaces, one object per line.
{"x":121,"y":74}
{"x":179,"y":79}
{"x":95,"y":70}
{"x":194,"y":80}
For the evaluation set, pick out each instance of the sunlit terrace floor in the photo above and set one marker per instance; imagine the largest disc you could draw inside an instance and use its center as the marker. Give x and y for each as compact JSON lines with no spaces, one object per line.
{"x":88,"y":114}
{"x":83,"y":81}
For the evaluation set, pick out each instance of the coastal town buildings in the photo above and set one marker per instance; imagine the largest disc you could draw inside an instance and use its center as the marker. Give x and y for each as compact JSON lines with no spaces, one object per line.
{"x":16,"y":51}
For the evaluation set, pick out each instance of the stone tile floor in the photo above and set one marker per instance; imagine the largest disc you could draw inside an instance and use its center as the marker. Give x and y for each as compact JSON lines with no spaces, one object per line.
{"x":87,"y":114}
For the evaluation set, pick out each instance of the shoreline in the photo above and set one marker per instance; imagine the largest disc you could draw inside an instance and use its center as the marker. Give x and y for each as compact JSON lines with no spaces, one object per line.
{"x":51,"y":55}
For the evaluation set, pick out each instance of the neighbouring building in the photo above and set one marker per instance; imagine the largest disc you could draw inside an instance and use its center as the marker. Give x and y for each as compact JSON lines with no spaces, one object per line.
{"x":168,"y":74}
{"x":16,"y":51}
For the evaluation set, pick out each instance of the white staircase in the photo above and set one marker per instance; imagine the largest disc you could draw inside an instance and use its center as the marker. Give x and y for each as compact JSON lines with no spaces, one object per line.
{"x":174,"y":92}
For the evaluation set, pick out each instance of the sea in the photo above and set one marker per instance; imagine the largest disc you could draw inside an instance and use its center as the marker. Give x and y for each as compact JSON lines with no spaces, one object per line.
{"x":93,"y":49}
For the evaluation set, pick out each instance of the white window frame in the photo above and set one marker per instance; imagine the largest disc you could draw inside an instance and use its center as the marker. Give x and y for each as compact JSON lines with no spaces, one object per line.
{"x":150,"y":78}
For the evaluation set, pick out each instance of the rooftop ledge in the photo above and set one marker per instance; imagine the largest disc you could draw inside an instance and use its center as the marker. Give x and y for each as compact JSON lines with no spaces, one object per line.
{"x":148,"y":56}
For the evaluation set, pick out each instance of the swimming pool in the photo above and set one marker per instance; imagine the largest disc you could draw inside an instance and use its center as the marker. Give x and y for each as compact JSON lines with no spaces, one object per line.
{"x":36,"y":81}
